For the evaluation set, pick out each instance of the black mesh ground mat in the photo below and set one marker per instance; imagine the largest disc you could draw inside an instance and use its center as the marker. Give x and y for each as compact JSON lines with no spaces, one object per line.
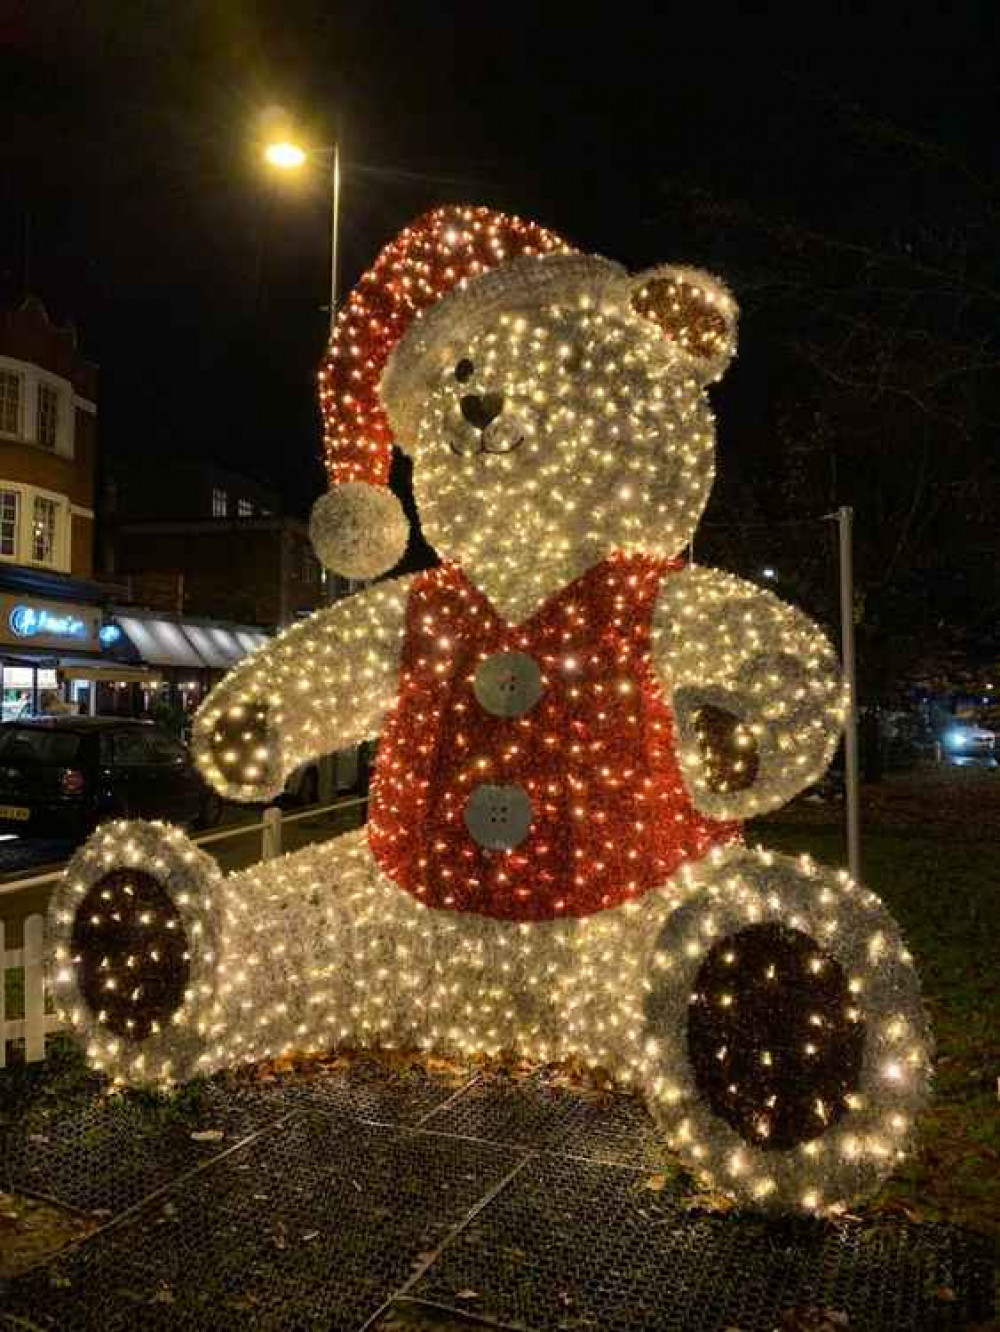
{"x":541,"y":1115}
{"x":362,"y":1088}
{"x":299,"y":1219}
{"x":569,"y":1245}
{"x":110,"y":1152}
{"x":311,"y":1225}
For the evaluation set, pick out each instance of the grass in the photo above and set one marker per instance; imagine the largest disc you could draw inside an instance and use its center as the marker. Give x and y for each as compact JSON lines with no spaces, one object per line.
{"x":945,"y":894}
{"x":13,"y":984}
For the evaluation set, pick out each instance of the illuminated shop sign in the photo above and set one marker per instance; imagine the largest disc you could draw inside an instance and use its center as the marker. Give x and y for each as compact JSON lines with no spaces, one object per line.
{"x":30,"y":622}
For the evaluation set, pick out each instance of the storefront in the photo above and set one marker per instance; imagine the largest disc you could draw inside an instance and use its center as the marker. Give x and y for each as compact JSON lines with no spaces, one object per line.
{"x":63,"y":656}
{"x":187,"y":658}
{"x":52,"y":654}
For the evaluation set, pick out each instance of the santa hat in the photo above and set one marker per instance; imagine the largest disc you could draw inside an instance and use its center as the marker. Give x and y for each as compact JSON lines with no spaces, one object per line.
{"x":359,"y":528}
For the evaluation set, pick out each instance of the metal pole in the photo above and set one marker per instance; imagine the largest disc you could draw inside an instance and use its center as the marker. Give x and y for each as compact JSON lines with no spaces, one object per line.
{"x":270,"y":848}
{"x":329,"y":589}
{"x":335,"y":235}
{"x":845,"y":521}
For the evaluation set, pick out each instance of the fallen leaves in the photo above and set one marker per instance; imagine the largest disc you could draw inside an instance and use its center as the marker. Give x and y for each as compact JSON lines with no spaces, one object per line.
{"x":31,"y":1232}
{"x":361,"y":1063}
{"x":708,"y":1200}
{"x":896,"y":1207}
{"x":814,"y":1319}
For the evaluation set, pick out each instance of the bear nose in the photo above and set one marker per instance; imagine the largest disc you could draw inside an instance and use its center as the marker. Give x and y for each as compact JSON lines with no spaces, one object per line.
{"x":479,"y":409}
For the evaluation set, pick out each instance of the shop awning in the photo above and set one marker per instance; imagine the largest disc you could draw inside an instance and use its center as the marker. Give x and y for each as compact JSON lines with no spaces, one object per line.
{"x":107,"y":672}
{"x":162,"y":642}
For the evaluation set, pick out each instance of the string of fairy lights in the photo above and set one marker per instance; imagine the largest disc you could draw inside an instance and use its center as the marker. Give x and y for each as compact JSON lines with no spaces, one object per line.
{"x":572,"y":725}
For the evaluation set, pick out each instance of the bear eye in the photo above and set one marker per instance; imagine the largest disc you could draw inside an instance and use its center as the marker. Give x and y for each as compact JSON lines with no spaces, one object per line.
{"x":464,"y":370}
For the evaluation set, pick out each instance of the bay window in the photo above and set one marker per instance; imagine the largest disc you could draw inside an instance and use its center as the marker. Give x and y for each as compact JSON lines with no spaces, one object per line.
{"x":34,"y":526}
{"x":36,"y":406}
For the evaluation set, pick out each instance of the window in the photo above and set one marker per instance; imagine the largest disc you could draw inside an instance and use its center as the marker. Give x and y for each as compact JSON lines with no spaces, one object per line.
{"x":244,"y":508}
{"x":310,"y":569}
{"x":164,"y":749}
{"x":38,"y":745}
{"x":9,"y":506}
{"x":43,"y":530}
{"x":220,"y":503}
{"x":128,"y":749}
{"x":10,"y":403}
{"x":47,"y":423}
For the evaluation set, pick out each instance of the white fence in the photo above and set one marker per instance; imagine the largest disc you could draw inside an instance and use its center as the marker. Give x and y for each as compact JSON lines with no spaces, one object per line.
{"x":22,"y":977}
{"x":22,"y":970}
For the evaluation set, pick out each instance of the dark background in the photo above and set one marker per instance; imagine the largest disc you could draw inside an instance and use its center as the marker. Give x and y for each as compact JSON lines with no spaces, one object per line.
{"x":837,"y":169}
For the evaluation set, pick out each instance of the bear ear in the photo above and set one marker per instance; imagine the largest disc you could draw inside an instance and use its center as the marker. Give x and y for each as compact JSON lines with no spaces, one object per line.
{"x":693,"y":310}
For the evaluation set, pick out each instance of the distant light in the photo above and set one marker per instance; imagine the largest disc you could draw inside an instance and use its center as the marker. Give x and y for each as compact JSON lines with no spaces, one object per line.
{"x":287,"y":156}
{"x":109,"y":634}
{"x":768,"y":572}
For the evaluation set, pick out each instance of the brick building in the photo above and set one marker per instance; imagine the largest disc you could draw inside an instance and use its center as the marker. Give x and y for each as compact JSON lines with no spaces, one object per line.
{"x":204,"y":541}
{"x":70,"y":637}
{"x":52,"y":611}
{"x":48,"y":445}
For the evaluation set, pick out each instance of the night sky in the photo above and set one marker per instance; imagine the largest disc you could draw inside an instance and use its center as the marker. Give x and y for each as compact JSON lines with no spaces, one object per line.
{"x":133,"y":200}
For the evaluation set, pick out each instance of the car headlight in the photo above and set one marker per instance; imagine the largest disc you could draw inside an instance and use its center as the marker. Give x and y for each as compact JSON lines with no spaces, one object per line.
{"x":955,"y":739}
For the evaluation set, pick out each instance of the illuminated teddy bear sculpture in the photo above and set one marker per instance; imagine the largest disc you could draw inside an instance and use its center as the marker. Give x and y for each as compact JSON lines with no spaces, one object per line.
{"x":573,"y":723}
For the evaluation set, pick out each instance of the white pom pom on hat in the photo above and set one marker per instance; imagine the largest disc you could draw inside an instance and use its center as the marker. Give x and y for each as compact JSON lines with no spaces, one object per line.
{"x":359,"y":530}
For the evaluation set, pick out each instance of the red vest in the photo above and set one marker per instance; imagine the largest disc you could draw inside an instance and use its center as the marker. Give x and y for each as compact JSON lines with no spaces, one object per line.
{"x":610,"y":818}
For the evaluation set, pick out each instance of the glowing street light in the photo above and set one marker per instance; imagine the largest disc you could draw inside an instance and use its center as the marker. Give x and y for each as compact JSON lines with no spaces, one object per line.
{"x":284,"y":155}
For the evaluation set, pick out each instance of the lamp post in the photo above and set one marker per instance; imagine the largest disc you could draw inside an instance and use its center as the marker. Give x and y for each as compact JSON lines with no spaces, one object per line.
{"x":285,"y":155}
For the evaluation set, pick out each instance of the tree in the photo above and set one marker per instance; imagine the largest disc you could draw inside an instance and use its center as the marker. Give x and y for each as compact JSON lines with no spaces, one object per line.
{"x":877,"y":341}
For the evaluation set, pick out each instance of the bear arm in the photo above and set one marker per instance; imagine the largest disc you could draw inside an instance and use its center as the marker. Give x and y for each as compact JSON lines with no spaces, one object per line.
{"x":756,"y":691}
{"x":321,"y":685}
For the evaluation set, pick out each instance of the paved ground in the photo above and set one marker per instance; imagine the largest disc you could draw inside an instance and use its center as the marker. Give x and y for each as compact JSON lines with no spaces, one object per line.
{"x":369,"y":1196}
{"x":22,"y":856}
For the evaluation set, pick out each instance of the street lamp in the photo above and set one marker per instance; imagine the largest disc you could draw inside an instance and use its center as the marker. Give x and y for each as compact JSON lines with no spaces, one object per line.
{"x":284,"y":155}
{"x":287,"y":156}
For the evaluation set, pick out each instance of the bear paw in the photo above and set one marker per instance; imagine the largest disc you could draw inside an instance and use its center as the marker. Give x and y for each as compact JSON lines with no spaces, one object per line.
{"x":237,"y":750}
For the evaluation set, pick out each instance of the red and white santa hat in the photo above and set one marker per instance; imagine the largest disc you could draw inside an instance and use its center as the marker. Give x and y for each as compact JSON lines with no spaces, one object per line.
{"x":359,"y":528}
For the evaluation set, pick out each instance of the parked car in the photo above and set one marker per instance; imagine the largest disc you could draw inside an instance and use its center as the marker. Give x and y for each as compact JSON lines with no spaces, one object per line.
{"x":347,"y":772}
{"x":967,"y":743}
{"x":61,"y":776}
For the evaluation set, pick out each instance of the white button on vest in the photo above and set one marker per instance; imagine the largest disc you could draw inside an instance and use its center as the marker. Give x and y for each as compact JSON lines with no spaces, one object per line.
{"x":508,"y":684}
{"x":498,"y":817}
